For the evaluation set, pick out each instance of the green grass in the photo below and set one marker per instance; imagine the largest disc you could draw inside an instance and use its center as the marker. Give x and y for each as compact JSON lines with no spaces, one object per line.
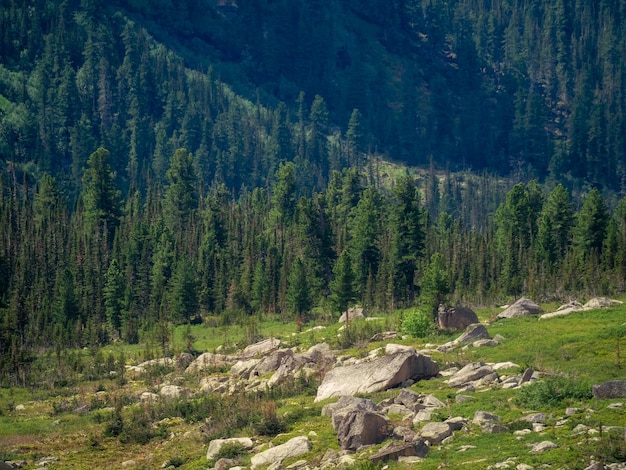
{"x":575,"y":351}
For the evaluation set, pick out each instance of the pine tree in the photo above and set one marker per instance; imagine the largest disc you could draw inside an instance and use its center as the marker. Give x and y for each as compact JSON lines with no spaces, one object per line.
{"x":343,"y":286}
{"x":299,"y":298}
{"x":100,"y":197}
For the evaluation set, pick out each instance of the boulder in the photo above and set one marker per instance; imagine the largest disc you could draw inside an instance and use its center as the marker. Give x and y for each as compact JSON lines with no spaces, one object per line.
{"x":375,"y":376}
{"x":339,"y":410}
{"x":216,"y":444}
{"x":610,"y":389}
{"x":543,"y":446}
{"x":471,"y":372}
{"x":352,"y":314}
{"x":393,"y":451}
{"x":173,"y":392}
{"x":435,"y":432}
{"x":481,"y":417}
{"x":474,"y":332}
{"x":273,"y":361}
{"x":318,"y":354}
{"x":261,"y":348}
{"x":361,"y":427}
{"x":208,"y":362}
{"x":408,"y":398}
{"x":522,"y":308}
{"x":392,"y":348}
{"x":601,"y":302}
{"x":292,"y":448}
{"x":455,"y":318}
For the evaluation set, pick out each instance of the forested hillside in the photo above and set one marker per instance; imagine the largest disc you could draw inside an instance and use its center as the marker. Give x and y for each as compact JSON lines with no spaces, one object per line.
{"x":164,"y":162}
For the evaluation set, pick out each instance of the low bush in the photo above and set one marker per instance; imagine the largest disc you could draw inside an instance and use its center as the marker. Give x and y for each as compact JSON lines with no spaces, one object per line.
{"x":417,"y":324}
{"x":553,"y":391}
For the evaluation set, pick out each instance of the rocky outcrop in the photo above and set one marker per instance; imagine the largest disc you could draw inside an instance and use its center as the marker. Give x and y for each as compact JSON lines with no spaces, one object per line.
{"x":455,"y":318}
{"x":292,"y":448}
{"x":610,"y":389}
{"x":471,"y":373}
{"x":260,"y":348}
{"x":522,"y":308}
{"x":339,"y":410}
{"x":374,"y":376}
{"x":208,"y":362}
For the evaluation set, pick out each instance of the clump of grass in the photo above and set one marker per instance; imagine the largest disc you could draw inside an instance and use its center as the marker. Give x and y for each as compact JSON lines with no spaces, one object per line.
{"x":230,"y":450}
{"x":552,"y":392}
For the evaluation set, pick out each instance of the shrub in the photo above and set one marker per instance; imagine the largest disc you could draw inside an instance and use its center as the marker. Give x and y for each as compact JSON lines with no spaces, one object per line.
{"x":417,"y":324}
{"x":230,"y":450}
{"x":553,"y":391}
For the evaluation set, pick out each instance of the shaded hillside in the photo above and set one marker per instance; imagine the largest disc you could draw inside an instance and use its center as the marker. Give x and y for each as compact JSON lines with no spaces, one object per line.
{"x":533,"y":89}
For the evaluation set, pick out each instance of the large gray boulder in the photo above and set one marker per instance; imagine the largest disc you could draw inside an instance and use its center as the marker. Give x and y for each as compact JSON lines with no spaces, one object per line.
{"x":455,"y":318}
{"x":470,"y":373}
{"x":610,"y":389}
{"x":292,"y":448}
{"x":522,"y":308}
{"x":375,"y":376}
{"x":362,"y":427}
{"x":435,"y":432}
{"x":339,"y":410}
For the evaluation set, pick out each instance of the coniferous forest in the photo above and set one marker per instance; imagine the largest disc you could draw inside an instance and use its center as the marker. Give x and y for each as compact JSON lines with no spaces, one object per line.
{"x":166,"y":161}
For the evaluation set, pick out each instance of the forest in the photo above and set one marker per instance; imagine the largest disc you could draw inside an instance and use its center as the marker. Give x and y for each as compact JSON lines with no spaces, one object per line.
{"x":165,"y":163}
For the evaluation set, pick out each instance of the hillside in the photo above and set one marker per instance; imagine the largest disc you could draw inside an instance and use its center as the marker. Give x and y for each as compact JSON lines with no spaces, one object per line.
{"x":128,"y":408}
{"x":529,"y":89}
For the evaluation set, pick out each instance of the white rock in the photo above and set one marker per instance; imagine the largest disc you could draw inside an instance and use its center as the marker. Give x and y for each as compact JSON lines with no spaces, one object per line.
{"x":216,"y":445}
{"x":543,"y":446}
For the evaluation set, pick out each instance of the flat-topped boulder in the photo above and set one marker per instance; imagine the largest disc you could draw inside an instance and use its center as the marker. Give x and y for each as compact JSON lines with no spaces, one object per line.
{"x":601,"y":302}
{"x":352,"y":314}
{"x":524,"y":307}
{"x":260,"y":348}
{"x":375,"y":376}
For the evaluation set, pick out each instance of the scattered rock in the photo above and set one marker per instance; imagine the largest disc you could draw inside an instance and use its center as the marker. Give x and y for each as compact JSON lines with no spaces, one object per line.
{"x":601,"y":302}
{"x":470,"y":373}
{"x":129,"y":464}
{"x":543,"y":446}
{"x":352,"y":314}
{"x":362,"y":427}
{"x":293,"y":448}
{"x":216,"y":444}
{"x":173,"y":392}
{"x":381,"y":374}
{"x":392,"y":348}
{"x":481,"y":417}
{"x":20,"y":408}
{"x":535,"y":418}
{"x":207,"y":362}
{"x":394,"y":451}
{"x":435,"y":432}
{"x":455,"y":318}
{"x":522,"y":308}
{"x":610,"y":389}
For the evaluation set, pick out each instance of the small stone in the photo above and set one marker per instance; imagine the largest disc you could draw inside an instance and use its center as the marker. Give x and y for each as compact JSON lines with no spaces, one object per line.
{"x":571,"y":411}
{"x":615,"y":406}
